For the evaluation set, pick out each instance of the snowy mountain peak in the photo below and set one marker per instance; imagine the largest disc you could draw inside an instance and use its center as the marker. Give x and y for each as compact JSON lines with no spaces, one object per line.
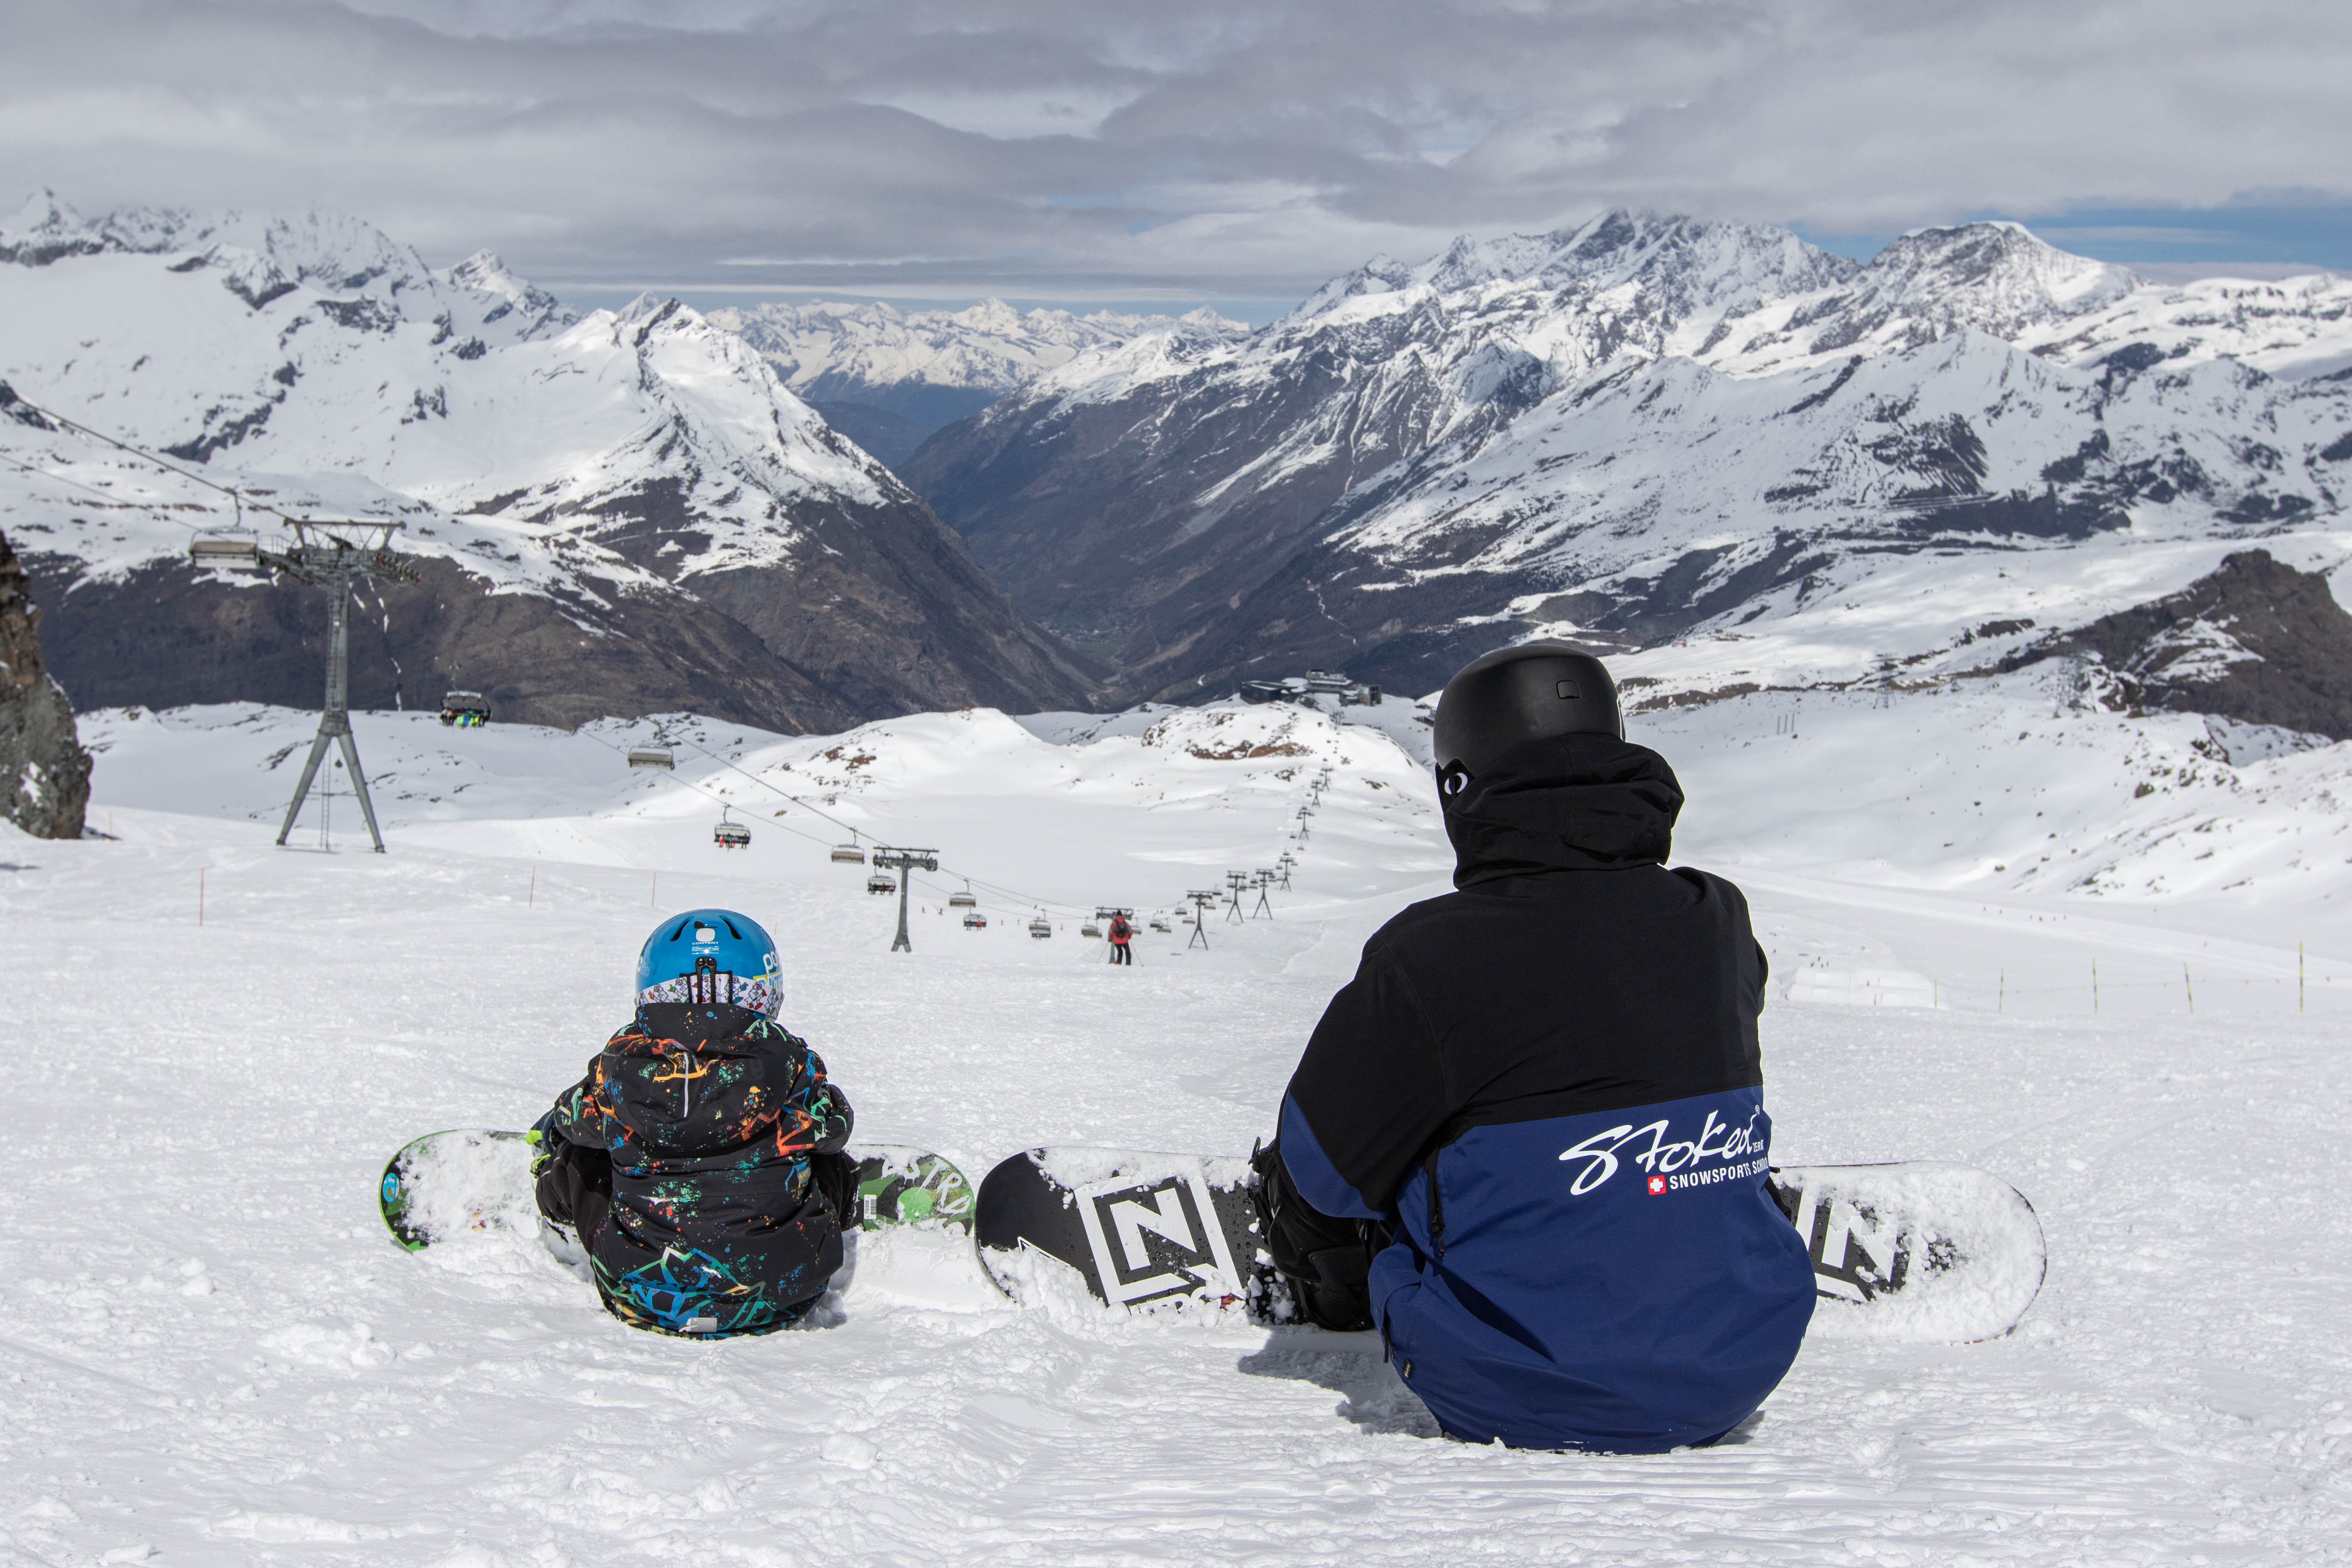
{"x":44,"y":229}
{"x":928,"y":366}
{"x":1999,"y":268}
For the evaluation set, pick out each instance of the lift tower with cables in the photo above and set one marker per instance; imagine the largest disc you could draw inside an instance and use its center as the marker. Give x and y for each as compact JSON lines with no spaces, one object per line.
{"x":902,"y":861}
{"x":1201,"y":899}
{"x":333,"y":557}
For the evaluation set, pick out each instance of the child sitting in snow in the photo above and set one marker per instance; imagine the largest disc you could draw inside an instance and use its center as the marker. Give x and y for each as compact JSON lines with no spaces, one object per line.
{"x":697,"y":1172}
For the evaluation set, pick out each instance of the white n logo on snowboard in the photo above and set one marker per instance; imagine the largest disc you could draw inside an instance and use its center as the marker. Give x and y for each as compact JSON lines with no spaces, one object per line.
{"x":1179,"y":1210}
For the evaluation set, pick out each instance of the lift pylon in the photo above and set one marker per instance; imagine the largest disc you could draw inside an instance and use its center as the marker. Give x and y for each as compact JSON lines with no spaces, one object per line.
{"x":334,"y":556}
{"x":903,"y":862}
{"x":1200,"y":900}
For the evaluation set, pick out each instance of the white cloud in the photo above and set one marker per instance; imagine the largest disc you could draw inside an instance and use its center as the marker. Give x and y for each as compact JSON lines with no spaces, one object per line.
{"x":1223,"y":146}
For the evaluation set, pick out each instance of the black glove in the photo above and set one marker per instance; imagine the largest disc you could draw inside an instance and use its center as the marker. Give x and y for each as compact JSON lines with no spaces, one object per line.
{"x":1328,"y":1261}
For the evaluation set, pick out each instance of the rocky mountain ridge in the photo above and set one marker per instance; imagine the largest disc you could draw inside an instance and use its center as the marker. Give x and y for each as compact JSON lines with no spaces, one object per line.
{"x":929,"y":367}
{"x":615,"y":513}
{"x":1652,"y":428}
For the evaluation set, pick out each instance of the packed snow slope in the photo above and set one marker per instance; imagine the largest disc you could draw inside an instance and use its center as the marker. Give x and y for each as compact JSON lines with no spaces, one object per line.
{"x":215,"y":1355}
{"x":927,"y":368}
{"x":615,"y":513}
{"x":1651,"y":428}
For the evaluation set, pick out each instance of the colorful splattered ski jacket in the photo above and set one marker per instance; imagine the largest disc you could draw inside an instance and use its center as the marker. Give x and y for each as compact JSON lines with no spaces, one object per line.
{"x":1549,"y":1083}
{"x":716,"y":1227}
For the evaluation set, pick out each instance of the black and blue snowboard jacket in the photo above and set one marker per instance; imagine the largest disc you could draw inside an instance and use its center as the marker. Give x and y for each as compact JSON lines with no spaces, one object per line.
{"x":1548,"y":1082}
{"x":716,"y":1226}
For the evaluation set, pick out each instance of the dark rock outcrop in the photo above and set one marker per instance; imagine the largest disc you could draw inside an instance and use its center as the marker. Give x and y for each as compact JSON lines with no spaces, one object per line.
{"x":2257,"y":641}
{"x":44,"y":771}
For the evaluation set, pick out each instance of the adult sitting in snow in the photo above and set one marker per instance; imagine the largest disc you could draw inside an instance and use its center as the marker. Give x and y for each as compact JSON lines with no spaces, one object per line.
{"x":1528,"y":1140}
{"x":695,"y":1172}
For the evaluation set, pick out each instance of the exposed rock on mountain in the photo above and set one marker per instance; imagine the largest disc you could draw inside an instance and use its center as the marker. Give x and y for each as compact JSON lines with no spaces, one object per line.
{"x":925,"y":367}
{"x":1650,"y":429}
{"x":44,"y":771}
{"x":2257,"y":641}
{"x":618,"y":513}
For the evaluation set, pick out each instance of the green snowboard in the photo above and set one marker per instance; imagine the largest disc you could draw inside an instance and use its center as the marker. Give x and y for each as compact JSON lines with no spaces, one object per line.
{"x":446,"y":1183}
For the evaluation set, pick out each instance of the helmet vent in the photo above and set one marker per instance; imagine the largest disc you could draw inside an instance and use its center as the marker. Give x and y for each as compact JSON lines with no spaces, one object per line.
{"x":704,"y":934}
{"x":1568,"y":690}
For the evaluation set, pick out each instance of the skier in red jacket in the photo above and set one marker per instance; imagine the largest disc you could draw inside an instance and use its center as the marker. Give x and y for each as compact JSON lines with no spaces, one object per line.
{"x":1121,"y":933}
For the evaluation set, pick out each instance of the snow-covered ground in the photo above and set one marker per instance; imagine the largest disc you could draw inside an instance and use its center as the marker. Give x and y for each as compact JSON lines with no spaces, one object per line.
{"x":211,"y":1352}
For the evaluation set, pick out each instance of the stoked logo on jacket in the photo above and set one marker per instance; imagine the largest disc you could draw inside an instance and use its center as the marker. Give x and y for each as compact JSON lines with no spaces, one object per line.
{"x":1721,"y":1152}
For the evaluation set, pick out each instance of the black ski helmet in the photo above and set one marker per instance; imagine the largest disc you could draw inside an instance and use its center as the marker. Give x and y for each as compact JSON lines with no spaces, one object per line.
{"x":1514,"y":695}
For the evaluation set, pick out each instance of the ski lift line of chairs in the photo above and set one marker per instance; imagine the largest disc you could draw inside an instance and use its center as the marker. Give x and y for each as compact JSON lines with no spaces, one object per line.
{"x":465,"y":709}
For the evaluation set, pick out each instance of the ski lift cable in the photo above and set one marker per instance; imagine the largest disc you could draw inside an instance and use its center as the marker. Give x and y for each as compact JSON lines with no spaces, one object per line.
{"x":721,"y":802}
{"x":772,"y":788}
{"x":243,"y":500}
{"x":93,"y":490}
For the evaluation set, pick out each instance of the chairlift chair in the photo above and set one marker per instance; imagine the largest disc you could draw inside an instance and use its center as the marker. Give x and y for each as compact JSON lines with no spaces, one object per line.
{"x":465,"y":709}
{"x":974,"y":920}
{"x":653,"y":757}
{"x":848,"y":854}
{"x":1160,"y":922}
{"x":1041,"y":928}
{"x":881,"y":882}
{"x":963,"y":901}
{"x":230,"y":551}
{"x":728,"y":834}
{"x":1090,"y":930}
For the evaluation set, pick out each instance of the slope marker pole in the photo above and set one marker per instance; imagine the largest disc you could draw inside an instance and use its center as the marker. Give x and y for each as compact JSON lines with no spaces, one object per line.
{"x":2188,"y":987}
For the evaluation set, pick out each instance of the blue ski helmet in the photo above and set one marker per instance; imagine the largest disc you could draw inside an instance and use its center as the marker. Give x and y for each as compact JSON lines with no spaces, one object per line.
{"x":711,"y":956}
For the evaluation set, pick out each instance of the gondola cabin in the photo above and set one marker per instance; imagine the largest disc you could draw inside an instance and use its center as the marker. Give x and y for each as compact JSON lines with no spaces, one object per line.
{"x":465,"y":709}
{"x":848,"y":854}
{"x":652,"y":757}
{"x":880,"y":882}
{"x":974,"y":920}
{"x":1041,"y":928}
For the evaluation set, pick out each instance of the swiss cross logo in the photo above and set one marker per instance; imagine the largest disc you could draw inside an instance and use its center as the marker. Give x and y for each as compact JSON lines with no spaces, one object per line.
{"x":1657,"y":1185}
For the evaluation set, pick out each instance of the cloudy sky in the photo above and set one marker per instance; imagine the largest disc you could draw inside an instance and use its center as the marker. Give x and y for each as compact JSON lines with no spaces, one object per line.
{"x":1235,"y":152}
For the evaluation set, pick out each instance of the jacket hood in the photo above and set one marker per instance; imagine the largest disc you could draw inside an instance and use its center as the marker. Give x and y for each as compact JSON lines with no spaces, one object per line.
{"x":1566,"y":803}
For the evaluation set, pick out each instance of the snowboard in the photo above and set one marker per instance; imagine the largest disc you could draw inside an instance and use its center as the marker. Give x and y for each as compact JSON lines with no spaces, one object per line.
{"x":1924,"y":1249}
{"x":478,"y":1179}
{"x":1144,"y":1232}
{"x":1920,"y":1249}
